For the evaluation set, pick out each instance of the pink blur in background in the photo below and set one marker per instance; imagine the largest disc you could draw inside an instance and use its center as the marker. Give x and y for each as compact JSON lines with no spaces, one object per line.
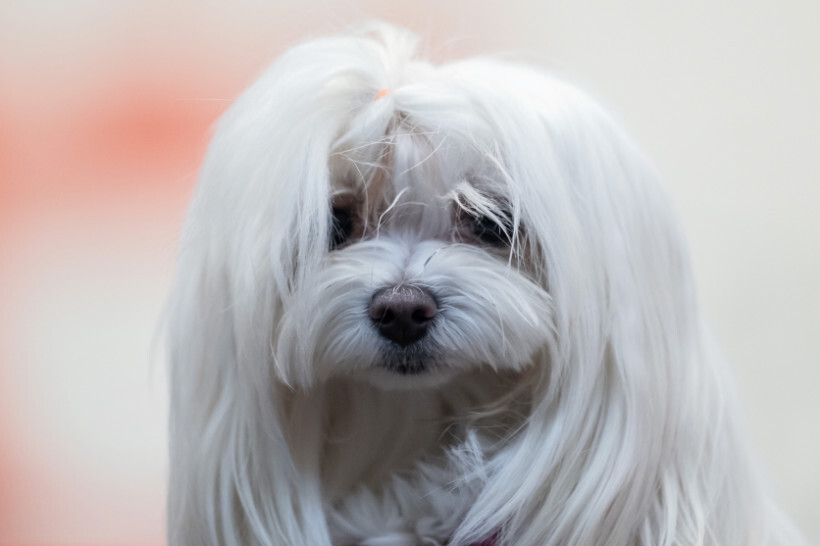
{"x":105,"y":112}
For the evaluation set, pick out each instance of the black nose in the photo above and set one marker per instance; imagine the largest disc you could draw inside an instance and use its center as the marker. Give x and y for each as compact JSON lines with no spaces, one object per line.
{"x":402,"y":313}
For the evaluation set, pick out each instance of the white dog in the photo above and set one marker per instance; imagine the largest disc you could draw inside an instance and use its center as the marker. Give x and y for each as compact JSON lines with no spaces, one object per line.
{"x":442,"y":305}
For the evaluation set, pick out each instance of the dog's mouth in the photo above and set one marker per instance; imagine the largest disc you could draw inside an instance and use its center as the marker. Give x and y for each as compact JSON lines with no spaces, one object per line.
{"x":414,"y":359}
{"x":420,"y":365}
{"x":413,"y":367}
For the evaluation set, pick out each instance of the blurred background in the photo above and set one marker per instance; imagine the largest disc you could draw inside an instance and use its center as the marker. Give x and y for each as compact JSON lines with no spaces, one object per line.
{"x":105,"y":112}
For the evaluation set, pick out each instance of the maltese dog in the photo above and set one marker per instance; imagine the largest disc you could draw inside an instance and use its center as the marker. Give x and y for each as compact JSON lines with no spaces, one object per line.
{"x":442,"y":305}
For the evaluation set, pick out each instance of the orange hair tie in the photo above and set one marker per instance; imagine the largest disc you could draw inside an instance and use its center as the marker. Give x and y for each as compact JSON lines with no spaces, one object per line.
{"x":382,"y":93}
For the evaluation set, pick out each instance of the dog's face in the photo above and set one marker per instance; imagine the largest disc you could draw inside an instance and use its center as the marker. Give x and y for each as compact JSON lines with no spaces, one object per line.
{"x":426,"y":273}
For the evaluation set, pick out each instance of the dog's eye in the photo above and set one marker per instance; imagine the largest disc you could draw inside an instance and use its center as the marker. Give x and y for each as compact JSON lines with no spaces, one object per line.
{"x":341,"y":227}
{"x":489,"y":230}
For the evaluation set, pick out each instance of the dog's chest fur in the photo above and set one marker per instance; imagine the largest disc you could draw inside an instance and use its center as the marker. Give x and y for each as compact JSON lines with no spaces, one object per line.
{"x":402,"y":468}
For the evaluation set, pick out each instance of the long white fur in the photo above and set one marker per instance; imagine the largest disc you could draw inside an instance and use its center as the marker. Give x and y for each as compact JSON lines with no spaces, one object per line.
{"x":575,"y":397}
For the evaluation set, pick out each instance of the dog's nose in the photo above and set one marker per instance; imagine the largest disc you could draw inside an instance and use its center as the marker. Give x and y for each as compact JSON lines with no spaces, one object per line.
{"x":402,"y":313}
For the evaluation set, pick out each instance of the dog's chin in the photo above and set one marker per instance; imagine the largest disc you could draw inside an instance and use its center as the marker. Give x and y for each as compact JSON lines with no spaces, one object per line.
{"x":389,"y":376}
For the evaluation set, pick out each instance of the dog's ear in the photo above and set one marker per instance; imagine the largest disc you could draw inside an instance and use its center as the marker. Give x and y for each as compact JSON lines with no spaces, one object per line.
{"x":237,"y":469}
{"x":631,"y":378}
{"x":239,"y":475}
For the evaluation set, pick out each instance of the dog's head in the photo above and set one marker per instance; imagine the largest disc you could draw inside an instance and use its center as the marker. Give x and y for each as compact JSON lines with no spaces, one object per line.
{"x":401,"y":223}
